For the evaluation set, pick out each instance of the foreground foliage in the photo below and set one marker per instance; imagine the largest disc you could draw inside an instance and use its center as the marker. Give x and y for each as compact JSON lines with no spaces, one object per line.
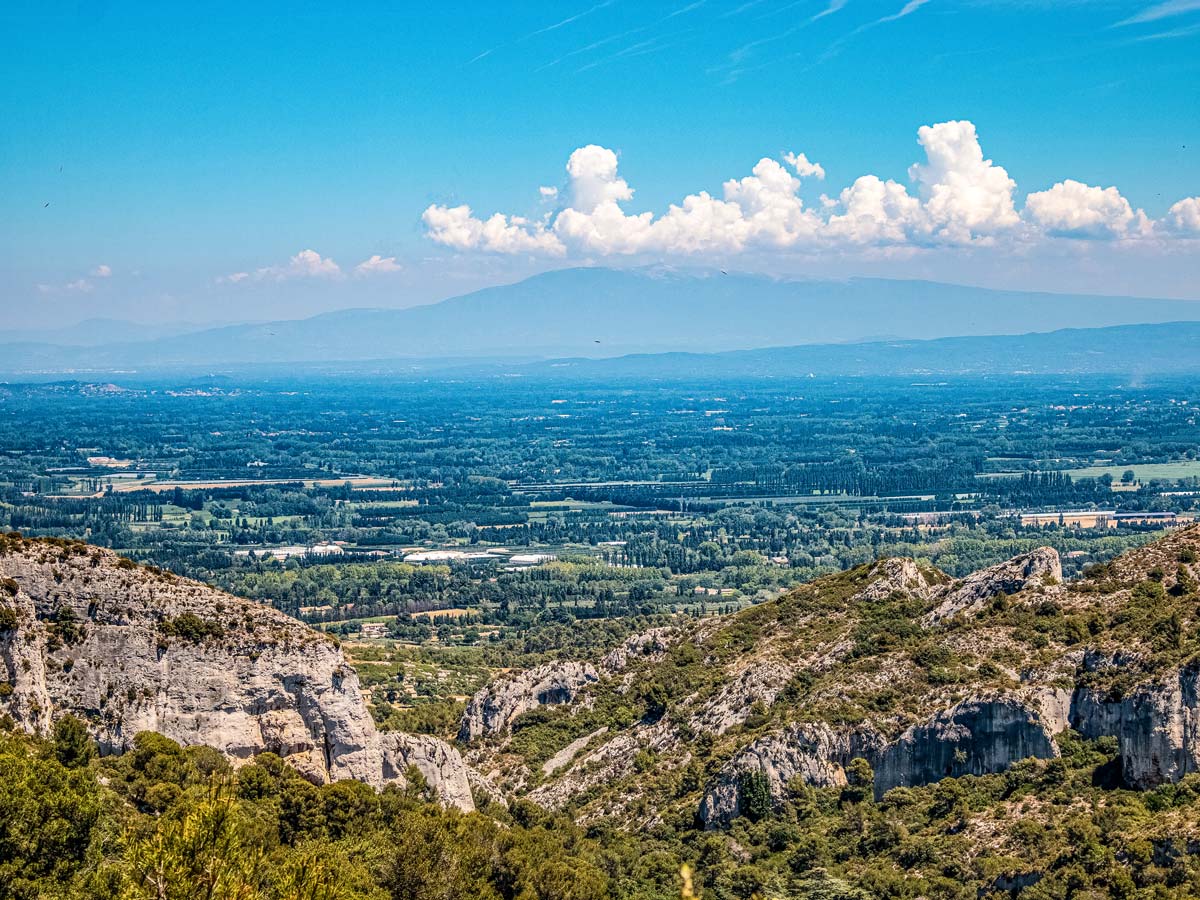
{"x":165,"y":823}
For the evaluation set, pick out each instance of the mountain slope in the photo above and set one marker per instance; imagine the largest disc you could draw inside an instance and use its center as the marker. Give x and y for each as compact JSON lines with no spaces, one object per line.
{"x":606,"y":312}
{"x":891,"y":675}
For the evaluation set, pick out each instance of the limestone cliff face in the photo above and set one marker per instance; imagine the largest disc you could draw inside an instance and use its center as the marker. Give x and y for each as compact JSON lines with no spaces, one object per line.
{"x":978,"y":736}
{"x":814,"y":753}
{"x":495,"y":706}
{"x":896,"y":574}
{"x":129,"y":649}
{"x":649,"y":645}
{"x":1157,"y":727}
{"x":759,"y":683}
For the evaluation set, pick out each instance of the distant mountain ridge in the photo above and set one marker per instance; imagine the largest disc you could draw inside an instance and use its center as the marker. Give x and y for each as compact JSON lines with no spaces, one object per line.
{"x":1133,"y":350}
{"x":97,"y":332}
{"x":605,"y":312}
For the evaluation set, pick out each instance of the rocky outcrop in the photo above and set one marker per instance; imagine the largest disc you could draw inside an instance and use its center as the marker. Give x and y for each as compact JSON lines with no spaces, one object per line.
{"x":896,"y":575}
{"x":130,"y":649}
{"x":448,"y":777}
{"x":495,"y":706}
{"x":760,"y":683}
{"x":1037,"y":567}
{"x":564,"y":756}
{"x":978,"y":736}
{"x":647,"y":646}
{"x":1157,"y":727}
{"x":606,"y":764}
{"x":815,"y":753}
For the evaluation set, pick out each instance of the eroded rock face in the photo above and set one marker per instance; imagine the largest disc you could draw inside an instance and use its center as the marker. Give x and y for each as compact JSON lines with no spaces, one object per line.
{"x":649,"y":645}
{"x":896,"y":575}
{"x":978,"y":736}
{"x":815,"y":753}
{"x":440,"y":764}
{"x":1157,"y":727}
{"x":760,"y":683}
{"x":1037,"y":567}
{"x":495,"y":706}
{"x":128,"y":649}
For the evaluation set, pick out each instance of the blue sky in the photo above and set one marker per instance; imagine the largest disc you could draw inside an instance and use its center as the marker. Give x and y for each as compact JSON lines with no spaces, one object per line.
{"x":190,"y":153}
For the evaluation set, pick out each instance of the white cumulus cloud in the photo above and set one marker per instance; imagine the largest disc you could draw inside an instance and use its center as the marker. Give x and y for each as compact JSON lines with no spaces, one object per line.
{"x":305,"y":264}
{"x":1184,"y":217}
{"x":804,"y":167}
{"x":873,"y":211}
{"x":456,"y":227}
{"x":957,"y":197}
{"x":101,"y":271}
{"x":965,"y":196}
{"x":1077,"y":210}
{"x":594,"y":180}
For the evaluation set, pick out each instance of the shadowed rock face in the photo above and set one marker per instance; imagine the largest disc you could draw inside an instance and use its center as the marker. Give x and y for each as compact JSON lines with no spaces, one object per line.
{"x":129,"y":649}
{"x":979,"y":736}
{"x":976,"y":737}
{"x":1157,"y":727}
{"x":494,"y":707}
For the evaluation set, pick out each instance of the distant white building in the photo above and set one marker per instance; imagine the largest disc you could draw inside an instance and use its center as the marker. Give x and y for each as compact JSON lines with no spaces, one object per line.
{"x":323,"y":549}
{"x":445,"y":556}
{"x":530,"y":559}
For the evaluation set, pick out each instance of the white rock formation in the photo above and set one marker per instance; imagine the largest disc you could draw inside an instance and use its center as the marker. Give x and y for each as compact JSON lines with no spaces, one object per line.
{"x":130,"y":649}
{"x":1037,"y":567}
{"x":495,"y":706}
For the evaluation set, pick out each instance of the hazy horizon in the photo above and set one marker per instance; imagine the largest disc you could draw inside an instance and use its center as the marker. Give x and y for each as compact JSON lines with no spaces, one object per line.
{"x":280,"y":167}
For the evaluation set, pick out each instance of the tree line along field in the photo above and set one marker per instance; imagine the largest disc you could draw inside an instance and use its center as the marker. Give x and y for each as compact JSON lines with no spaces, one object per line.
{"x":652,"y":498}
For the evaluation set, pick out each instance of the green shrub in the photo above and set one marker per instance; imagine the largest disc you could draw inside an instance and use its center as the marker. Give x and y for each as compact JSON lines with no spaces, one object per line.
{"x":191,"y":628}
{"x":754,"y":795}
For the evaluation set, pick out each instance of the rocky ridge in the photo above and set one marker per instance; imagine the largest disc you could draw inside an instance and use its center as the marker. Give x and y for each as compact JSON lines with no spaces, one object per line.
{"x":920,"y":675}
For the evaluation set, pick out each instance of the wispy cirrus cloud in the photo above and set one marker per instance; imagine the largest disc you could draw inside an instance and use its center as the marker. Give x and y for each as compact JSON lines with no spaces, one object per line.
{"x":1170,"y":34}
{"x":1164,"y":10}
{"x":554,"y":26}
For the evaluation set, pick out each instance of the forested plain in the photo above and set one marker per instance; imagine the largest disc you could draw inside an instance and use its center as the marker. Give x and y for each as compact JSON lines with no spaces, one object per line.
{"x":653,"y":498}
